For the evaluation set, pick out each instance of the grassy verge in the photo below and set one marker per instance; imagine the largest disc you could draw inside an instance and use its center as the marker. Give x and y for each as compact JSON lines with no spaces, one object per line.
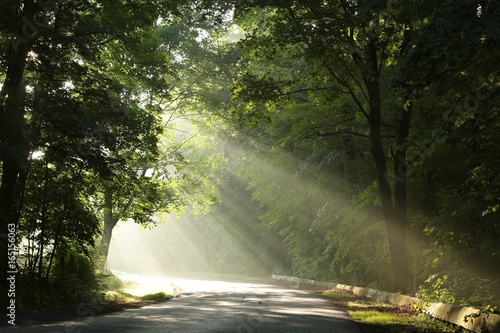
{"x":119,"y":296}
{"x":115,"y":292}
{"x":111,"y":298}
{"x":376,"y":317}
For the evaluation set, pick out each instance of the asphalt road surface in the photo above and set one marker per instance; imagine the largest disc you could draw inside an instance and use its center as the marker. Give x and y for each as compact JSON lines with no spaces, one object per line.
{"x":214,"y":305}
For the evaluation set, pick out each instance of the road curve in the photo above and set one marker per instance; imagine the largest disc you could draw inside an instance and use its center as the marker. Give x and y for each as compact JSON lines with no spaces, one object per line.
{"x":214,"y":305}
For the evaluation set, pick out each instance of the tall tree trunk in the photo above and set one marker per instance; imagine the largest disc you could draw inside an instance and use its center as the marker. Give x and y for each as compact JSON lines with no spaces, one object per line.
{"x":111,"y":218}
{"x":14,"y":149}
{"x":395,"y":220}
{"x":109,"y":224}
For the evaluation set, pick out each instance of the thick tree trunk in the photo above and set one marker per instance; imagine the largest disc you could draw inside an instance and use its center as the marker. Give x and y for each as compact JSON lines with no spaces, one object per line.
{"x":395,"y":223}
{"x":12,"y":121}
{"x":394,"y":213}
{"x":109,"y":224}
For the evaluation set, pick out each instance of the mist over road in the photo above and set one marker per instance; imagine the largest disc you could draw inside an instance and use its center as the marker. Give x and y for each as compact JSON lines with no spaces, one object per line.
{"x":216,"y":305}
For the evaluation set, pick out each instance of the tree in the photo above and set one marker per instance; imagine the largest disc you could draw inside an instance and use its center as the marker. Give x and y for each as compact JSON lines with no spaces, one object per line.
{"x":62,"y":97}
{"x":359,"y":70}
{"x":353,"y":48}
{"x":452,"y":163}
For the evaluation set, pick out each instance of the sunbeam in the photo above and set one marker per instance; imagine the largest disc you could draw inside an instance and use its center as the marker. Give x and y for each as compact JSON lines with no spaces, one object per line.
{"x":173,"y":247}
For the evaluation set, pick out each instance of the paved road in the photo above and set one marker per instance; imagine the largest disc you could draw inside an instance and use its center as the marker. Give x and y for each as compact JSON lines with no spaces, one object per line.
{"x":211,"y":305}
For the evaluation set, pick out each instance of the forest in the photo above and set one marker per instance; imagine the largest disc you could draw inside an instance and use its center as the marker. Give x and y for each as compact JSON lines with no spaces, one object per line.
{"x":342,"y":140}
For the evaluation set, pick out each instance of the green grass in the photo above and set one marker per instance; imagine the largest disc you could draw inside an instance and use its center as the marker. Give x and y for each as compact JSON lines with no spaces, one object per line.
{"x":160,"y":296}
{"x":119,"y":296}
{"x":379,"y":318}
{"x":115,"y":292}
{"x":388,"y":322}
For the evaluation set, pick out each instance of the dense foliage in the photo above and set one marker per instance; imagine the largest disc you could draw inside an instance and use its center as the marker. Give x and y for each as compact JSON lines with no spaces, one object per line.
{"x":351,"y":141}
{"x":84,"y":137}
{"x":375,"y":125}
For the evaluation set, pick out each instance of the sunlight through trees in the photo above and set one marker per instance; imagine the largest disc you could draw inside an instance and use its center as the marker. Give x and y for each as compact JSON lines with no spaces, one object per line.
{"x":346,"y":141}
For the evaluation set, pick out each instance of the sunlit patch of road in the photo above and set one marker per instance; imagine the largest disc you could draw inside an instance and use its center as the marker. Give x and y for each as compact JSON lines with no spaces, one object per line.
{"x":213,"y":305}
{"x":139,"y":285}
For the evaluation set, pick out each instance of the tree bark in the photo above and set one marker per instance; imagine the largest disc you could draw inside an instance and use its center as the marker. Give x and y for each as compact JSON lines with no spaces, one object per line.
{"x":14,"y":150}
{"x":109,"y":224}
{"x":394,"y":218}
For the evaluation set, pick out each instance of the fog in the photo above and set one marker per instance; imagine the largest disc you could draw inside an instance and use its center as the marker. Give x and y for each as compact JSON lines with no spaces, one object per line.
{"x":174,"y":246}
